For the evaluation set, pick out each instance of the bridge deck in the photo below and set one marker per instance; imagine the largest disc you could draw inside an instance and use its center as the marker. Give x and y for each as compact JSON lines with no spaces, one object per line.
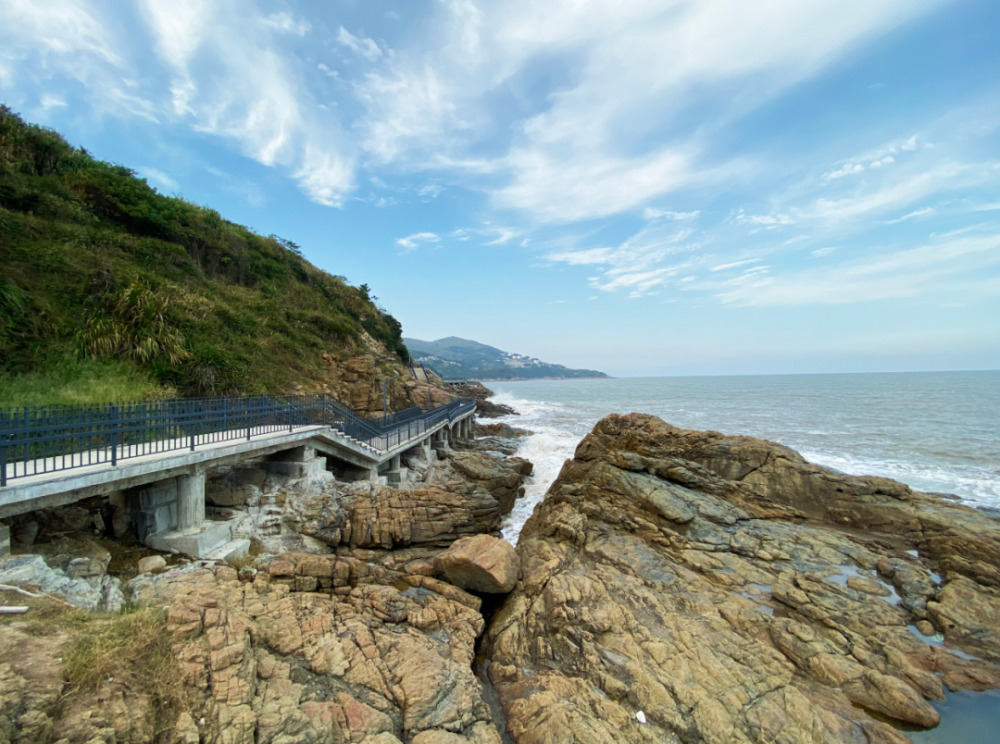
{"x":76,"y":478}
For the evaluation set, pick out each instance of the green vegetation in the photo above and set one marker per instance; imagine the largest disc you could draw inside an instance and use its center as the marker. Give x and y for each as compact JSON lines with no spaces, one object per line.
{"x":78,"y":380}
{"x":111,"y":290}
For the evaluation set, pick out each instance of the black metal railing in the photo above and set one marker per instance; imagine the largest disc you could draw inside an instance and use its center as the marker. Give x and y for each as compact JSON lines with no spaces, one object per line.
{"x":45,"y":439}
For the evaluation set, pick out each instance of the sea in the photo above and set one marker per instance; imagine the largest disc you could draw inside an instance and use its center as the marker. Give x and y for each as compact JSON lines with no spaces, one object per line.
{"x":934,"y":431}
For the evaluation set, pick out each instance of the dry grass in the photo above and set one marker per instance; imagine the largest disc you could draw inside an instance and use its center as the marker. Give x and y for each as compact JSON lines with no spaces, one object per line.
{"x":132,"y":649}
{"x":45,"y":616}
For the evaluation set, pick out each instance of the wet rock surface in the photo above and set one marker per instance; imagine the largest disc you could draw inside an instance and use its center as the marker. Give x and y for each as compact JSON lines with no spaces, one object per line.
{"x":732,"y":592}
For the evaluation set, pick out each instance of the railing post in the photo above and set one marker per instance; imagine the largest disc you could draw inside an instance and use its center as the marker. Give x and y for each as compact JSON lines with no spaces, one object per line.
{"x":291,"y":414}
{"x":191,"y":426}
{"x":323,"y":404}
{"x":3,"y":449}
{"x":247,"y":407}
{"x":114,"y":434}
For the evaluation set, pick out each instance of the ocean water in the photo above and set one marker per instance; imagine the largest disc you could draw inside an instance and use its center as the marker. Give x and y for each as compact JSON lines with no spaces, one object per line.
{"x":935,"y":431}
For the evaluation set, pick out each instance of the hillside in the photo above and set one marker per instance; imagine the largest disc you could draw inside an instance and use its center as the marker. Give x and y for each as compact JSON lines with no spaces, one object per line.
{"x":460,"y":359}
{"x":109,"y":289}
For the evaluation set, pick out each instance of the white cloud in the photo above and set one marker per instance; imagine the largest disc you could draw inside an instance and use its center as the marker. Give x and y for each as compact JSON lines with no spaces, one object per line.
{"x":241,"y":187}
{"x":636,"y":264}
{"x":916,"y":213}
{"x":650,"y":213}
{"x":70,"y":28}
{"x":51,"y":101}
{"x":159,"y":178}
{"x":637,"y":68}
{"x":819,"y":252}
{"x":243,"y":89}
{"x":910,"y":144}
{"x":767,"y":220}
{"x":285,"y":23}
{"x":882,"y":161}
{"x":912,"y":187}
{"x":797,"y":239}
{"x":432,"y":190}
{"x":848,"y":169}
{"x":905,"y":273}
{"x":412,"y":242}
{"x":360,"y":45}
{"x":734,"y":264}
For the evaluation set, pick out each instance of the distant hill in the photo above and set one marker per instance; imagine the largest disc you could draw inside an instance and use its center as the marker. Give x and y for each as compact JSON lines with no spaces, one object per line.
{"x":460,"y":359}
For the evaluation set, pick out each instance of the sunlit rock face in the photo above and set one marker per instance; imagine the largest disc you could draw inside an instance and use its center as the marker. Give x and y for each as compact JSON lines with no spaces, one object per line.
{"x":732,"y":592}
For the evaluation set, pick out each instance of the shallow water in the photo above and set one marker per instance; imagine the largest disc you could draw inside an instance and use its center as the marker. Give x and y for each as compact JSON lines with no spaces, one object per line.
{"x":935,"y":431}
{"x":966,"y":718}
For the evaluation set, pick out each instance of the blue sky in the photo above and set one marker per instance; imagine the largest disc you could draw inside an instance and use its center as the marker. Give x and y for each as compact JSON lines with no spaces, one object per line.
{"x":645,"y":187}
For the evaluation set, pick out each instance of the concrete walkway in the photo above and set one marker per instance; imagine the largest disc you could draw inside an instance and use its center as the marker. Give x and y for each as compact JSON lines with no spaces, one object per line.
{"x":169,"y":482}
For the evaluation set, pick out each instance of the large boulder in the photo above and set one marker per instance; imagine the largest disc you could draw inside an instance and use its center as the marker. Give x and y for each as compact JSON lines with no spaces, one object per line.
{"x":481,"y":563}
{"x":709,"y":582}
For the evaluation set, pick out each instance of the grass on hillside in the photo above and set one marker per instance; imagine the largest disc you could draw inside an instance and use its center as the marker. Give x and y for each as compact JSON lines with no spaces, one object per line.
{"x":97,"y":265}
{"x":75,"y":380}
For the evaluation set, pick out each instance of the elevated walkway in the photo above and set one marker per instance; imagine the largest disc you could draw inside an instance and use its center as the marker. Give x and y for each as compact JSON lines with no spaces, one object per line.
{"x":158,"y":454}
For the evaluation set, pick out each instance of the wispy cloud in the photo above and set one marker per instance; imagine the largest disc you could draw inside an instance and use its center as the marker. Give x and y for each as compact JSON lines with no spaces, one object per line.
{"x":820,"y":252}
{"x":287,"y":24}
{"x":159,"y":178}
{"x":848,"y":169}
{"x":412,"y":242}
{"x":639,"y":264}
{"x":916,"y":213}
{"x":360,"y":45}
{"x":650,"y":213}
{"x":904,"y":273}
{"x":243,"y":90}
{"x":734,"y":264}
{"x":766,"y":220}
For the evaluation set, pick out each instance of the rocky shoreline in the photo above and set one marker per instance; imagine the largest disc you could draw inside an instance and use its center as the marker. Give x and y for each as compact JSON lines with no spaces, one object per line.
{"x":673,"y":586}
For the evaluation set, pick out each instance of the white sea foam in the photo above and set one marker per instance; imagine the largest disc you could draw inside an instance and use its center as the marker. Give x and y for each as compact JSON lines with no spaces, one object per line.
{"x":555,"y":433}
{"x":935,"y":431}
{"x":978,"y":487}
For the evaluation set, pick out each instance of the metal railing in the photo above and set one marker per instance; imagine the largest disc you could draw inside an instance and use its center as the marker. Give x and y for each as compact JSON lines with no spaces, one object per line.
{"x":46,"y":439}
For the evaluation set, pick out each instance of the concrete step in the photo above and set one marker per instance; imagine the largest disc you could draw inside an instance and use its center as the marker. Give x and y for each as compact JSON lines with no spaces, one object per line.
{"x":233,"y":549}
{"x":195,"y":543}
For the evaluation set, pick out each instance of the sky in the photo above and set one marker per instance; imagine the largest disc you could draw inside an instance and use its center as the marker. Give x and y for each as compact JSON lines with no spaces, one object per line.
{"x":644,"y":187}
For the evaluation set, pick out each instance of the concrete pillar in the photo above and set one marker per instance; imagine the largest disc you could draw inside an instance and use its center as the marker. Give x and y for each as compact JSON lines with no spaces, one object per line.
{"x":190,"y":501}
{"x":4,"y":539}
{"x":395,"y":462}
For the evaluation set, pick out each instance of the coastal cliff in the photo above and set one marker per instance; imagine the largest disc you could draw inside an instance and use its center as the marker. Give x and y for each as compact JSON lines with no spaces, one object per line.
{"x":729,"y":591}
{"x":673,"y":586}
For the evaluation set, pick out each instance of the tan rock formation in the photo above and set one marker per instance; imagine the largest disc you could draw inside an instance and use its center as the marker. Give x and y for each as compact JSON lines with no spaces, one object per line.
{"x":481,"y":563}
{"x":503,"y":478}
{"x":314,"y":649}
{"x":671,"y":572}
{"x":390,"y":517}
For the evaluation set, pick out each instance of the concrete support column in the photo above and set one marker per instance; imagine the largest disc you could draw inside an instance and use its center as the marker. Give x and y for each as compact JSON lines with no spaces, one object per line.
{"x":190,"y":501}
{"x":395,"y":463}
{"x":4,"y":539}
